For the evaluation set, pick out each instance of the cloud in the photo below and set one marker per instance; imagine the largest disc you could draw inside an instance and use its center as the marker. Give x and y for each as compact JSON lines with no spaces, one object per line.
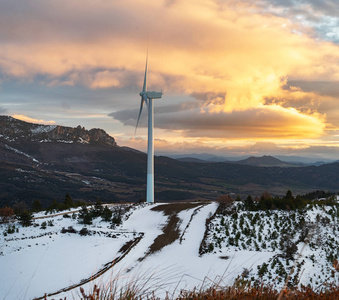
{"x":327,"y":7}
{"x":244,"y":69}
{"x":322,"y":16}
{"x":272,"y":122}
{"x":31,"y":120}
{"x":63,"y":38}
{"x":3,"y":110}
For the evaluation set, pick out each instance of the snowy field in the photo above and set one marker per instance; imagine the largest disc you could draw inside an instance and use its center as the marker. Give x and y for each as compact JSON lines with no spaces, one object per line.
{"x":35,"y":261}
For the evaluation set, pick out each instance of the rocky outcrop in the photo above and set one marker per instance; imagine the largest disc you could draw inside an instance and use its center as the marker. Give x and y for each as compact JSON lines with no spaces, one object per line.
{"x":12,"y":129}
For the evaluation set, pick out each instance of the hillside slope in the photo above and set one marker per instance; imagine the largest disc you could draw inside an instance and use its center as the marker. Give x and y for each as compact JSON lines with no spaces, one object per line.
{"x":167,"y":257}
{"x":43,"y":162}
{"x":265,"y":161}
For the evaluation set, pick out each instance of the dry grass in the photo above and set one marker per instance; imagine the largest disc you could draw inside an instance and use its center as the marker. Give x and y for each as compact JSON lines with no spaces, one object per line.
{"x":259,"y":294}
{"x":213,"y":293}
{"x":175,"y":208}
{"x":171,"y":230}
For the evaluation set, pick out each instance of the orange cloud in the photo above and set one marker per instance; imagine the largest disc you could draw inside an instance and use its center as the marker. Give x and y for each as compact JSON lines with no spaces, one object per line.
{"x":225,"y":48}
{"x":31,"y":120}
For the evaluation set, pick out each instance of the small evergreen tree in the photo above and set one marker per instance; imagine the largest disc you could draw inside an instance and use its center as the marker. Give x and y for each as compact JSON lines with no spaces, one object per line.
{"x":117,"y":219}
{"x":43,"y":225}
{"x":85,"y":216}
{"x":25,"y":218}
{"x":106,"y":214}
{"x":249,"y":203}
{"x":98,"y":209}
{"x":68,"y":202}
{"x":263,"y":269}
{"x":37,"y":205}
{"x":54,"y":205}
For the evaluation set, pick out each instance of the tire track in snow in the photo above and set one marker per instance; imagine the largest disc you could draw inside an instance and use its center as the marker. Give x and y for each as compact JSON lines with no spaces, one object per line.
{"x":124,"y":250}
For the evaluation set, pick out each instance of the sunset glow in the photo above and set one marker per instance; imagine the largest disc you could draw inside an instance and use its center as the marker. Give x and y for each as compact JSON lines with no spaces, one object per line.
{"x":238,"y":78}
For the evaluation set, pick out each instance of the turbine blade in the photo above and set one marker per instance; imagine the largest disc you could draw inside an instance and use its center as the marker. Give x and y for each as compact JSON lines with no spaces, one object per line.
{"x":141,"y":105}
{"x":144,"y":88}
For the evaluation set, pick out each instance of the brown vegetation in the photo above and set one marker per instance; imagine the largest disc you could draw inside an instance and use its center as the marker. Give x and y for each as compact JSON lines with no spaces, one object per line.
{"x":214,"y":293}
{"x":171,"y":229}
{"x":259,"y":293}
{"x":6,"y":214}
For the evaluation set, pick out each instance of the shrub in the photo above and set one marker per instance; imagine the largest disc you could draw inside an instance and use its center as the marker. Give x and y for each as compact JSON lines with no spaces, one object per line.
{"x":106,"y":214}
{"x":84,"y":231}
{"x":85,"y":216}
{"x":43,"y":225}
{"x":6,"y":214}
{"x":25,"y":218}
{"x":70,"y":229}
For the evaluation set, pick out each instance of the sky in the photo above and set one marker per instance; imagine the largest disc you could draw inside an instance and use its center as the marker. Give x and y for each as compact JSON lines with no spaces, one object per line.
{"x":239,"y":77}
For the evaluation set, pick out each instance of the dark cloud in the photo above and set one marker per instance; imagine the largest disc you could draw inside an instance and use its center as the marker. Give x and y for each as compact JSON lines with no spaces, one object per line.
{"x":266,"y":122}
{"x":325,"y":88}
{"x":210,"y":98}
{"x":129,"y":116}
{"x":318,"y":96}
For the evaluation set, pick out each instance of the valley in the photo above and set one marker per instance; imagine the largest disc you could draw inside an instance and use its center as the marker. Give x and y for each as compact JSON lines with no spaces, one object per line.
{"x":42,"y":162}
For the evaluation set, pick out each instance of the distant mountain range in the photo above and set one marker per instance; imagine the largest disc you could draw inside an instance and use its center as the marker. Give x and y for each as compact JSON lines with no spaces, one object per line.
{"x":44,"y":162}
{"x":264,"y":161}
{"x":290,"y":160}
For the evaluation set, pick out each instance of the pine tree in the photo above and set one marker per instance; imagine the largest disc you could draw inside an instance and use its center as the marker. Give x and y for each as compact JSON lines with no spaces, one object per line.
{"x":85,"y":216}
{"x":249,"y":203}
{"x":25,"y":218}
{"x":37,"y":205}
{"x":98,"y":208}
{"x":68,"y":202}
{"x":106,"y":214}
{"x":54,"y":205}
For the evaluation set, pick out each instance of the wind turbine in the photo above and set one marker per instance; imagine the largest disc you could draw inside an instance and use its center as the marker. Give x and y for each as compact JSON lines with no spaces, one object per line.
{"x":148,"y":96}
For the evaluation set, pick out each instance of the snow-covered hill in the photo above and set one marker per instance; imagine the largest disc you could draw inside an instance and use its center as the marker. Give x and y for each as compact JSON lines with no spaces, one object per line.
{"x":157,"y":247}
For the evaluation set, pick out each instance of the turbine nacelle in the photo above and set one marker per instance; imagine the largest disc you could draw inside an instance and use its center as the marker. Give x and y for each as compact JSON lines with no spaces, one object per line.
{"x":150,"y":95}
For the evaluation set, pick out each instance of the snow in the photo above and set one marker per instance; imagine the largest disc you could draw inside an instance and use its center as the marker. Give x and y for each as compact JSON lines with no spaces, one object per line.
{"x":43,"y":129}
{"x":50,"y":262}
{"x":35,"y":261}
{"x":22,"y":153}
{"x":313,"y":261}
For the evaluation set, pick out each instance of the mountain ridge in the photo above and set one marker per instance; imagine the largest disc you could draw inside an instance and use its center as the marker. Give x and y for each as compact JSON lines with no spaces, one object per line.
{"x":265,"y":161}
{"x":14,"y":129}
{"x":37,"y":169}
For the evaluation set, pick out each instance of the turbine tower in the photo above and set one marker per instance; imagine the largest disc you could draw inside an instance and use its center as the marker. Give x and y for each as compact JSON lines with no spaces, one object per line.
{"x":148,"y":96}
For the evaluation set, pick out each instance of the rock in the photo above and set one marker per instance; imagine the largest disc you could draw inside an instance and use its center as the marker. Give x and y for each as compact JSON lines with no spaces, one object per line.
{"x":13,"y":129}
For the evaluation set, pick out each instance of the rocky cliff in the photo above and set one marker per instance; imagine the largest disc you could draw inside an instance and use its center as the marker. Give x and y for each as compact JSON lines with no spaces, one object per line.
{"x":13,"y":129}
